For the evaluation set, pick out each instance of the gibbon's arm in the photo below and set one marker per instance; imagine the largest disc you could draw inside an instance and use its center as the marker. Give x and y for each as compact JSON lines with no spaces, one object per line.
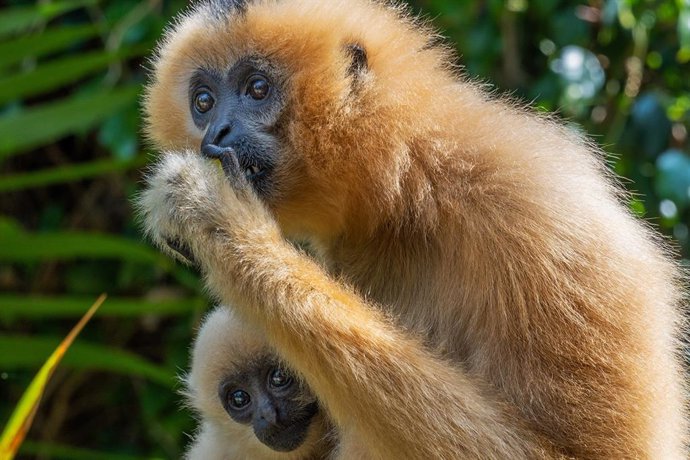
{"x":381,"y":387}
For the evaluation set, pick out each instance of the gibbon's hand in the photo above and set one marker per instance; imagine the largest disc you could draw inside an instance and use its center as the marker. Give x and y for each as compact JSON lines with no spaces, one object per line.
{"x":189,"y":202}
{"x":230,"y":164}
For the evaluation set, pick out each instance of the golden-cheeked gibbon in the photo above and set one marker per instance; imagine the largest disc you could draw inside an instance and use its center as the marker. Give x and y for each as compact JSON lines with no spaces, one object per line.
{"x":249,"y":405}
{"x":477,"y":288}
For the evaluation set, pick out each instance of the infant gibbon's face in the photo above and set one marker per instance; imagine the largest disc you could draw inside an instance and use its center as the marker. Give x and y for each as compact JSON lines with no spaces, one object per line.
{"x":267,"y":397}
{"x":246,"y":398}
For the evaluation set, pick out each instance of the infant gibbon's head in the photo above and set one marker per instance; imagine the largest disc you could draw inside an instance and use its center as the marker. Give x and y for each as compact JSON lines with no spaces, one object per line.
{"x":250,"y":406}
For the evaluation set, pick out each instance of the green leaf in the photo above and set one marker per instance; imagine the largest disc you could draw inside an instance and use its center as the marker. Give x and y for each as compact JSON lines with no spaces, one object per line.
{"x":57,"y":73}
{"x":69,"y":173}
{"x":684,"y":26}
{"x":21,"y":352}
{"x":62,"y":452}
{"x":9,"y":226}
{"x":40,"y":307}
{"x":119,"y":134}
{"x":23,"y":247}
{"x":40,"y":125}
{"x":31,"y":247}
{"x":44,"y":43}
{"x":19,"y":19}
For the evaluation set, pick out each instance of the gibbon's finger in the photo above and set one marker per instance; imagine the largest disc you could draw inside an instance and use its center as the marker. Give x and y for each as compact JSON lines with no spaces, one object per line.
{"x":229,"y":162}
{"x":181,"y":251}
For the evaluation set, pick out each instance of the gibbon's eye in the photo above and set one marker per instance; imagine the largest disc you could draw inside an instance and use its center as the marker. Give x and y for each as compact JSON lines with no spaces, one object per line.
{"x":258,"y":87}
{"x":279,"y":378}
{"x":239,"y":399}
{"x":203,"y":100}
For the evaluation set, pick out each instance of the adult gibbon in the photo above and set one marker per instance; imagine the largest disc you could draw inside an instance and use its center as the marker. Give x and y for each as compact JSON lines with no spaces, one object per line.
{"x":249,"y":405}
{"x":479,"y":290}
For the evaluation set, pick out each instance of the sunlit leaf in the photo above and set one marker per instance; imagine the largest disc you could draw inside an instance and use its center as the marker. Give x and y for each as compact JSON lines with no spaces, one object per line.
{"x":684,"y":27}
{"x":637,"y":206}
{"x":23,"y":415}
{"x":683,"y":55}
{"x":40,"y":125}
{"x":41,"y":307}
{"x":37,"y":45}
{"x":678,"y":109}
{"x":22,"y":352}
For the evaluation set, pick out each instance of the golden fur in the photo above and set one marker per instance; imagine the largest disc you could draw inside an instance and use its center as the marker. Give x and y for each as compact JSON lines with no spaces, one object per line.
{"x":481,"y":292}
{"x":222,"y":345}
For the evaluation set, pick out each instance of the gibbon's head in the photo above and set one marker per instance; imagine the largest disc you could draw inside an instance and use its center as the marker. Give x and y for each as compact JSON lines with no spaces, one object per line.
{"x":320,"y":101}
{"x":248,"y":403}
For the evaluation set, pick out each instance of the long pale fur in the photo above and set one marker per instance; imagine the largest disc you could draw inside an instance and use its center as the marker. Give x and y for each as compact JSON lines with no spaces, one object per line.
{"x":223,"y":345}
{"x":480,"y":290}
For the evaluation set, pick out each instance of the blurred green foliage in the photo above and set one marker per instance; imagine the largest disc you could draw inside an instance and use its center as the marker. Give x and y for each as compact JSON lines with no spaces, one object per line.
{"x":71,"y":158}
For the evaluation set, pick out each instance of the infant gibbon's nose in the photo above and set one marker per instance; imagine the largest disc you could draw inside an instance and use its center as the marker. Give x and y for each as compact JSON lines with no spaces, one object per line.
{"x":268,"y":413}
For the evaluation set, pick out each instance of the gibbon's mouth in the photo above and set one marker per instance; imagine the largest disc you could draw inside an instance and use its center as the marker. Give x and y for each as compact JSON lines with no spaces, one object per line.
{"x":289,"y":438}
{"x":234,"y":162}
{"x":286,"y":439}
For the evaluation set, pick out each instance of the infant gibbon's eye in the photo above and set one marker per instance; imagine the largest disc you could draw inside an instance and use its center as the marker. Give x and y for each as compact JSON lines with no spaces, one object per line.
{"x":258,"y":87}
{"x":203,"y":100}
{"x":239,"y":399}
{"x":279,"y":378}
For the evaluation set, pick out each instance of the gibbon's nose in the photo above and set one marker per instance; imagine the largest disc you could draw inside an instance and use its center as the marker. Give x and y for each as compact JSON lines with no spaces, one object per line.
{"x":268,"y":413}
{"x":218,"y":135}
{"x":216,"y":145}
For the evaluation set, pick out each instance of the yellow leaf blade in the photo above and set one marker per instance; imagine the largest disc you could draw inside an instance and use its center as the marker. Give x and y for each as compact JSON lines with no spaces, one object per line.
{"x":23,"y":415}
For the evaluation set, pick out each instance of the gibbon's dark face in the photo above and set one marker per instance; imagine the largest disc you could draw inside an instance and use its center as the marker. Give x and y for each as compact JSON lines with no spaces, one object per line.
{"x":267,"y":397}
{"x":277,"y":92}
{"x":238,"y":110}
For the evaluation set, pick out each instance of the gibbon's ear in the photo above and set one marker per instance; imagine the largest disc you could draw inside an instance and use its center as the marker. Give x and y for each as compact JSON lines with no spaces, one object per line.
{"x":358,"y":59}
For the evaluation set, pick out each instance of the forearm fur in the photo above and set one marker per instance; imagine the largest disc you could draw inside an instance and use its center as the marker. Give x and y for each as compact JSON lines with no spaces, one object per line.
{"x":372,"y":379}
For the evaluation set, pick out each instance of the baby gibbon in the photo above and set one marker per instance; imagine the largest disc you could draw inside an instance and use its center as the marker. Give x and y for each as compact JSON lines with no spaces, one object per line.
{"x":479,"y":289}
{"x":249,"y":406}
